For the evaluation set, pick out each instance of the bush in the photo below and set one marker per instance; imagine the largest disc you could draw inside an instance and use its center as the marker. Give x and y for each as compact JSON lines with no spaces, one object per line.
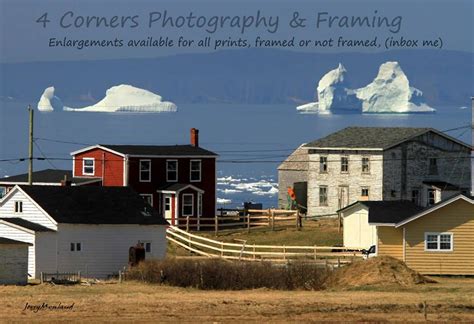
{"x":223,"y":275}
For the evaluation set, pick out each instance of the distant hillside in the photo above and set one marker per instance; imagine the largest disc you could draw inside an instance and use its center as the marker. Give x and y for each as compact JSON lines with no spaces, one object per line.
{"x":239,"y":76}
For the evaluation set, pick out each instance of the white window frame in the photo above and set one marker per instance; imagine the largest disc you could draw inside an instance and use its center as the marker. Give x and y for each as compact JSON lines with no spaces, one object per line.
{"x":167,"y":179}
{"x":3,"y":192}
{"x":75,"y":247}
{"x":140,"y":170}
{"x":84,"y":166}
{"x":438,"y":234}
{"x":18,"y":207}
{"x":191,"y":170}
{"x":192,"y":205}
{"x":148,"y":195}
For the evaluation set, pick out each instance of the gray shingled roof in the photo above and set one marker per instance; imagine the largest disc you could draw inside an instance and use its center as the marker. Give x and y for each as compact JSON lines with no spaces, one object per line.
{"x":164,"y":150}
{"x":47,"y":176}
{"x":367,"y":137}
{"x":297,"y":161}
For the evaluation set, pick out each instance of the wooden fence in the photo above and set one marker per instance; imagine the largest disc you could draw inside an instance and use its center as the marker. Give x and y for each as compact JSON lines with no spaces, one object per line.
{"x":248,"y":219}
{"x":252,"y":252}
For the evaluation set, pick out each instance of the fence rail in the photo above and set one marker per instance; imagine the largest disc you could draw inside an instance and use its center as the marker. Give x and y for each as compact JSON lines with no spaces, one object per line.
{"x":251,"y":218}
{"x":61,"y":277}
{"x":254,"y":252}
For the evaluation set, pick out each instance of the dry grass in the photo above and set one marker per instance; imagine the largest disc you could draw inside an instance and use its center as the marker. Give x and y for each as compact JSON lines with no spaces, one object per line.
{"x":449,"y":300}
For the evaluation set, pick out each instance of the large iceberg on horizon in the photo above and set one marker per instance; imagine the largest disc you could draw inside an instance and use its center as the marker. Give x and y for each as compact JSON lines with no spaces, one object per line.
{"x":333,"y":93}
{"x":127,"y":98}
{"x":48,"y":101}
{"x":390,"y":92}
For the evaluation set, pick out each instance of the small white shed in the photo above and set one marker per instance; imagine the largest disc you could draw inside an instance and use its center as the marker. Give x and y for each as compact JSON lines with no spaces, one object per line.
{"x":13,"y":262}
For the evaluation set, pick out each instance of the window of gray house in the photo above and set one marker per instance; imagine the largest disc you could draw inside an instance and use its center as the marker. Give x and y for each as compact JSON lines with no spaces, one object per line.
{"x":365,"y":165}
{"x":364,"y":192}
{"x":344,"y":164}
{"x":323,"y":196}
{"x":433,"y":166}
{"x":323,"y":164}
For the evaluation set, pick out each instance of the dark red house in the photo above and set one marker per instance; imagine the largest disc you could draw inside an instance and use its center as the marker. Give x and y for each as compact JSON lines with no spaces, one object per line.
{"x":177,"y":180}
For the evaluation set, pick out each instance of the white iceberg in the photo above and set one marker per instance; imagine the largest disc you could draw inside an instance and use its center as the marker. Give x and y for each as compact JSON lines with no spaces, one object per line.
{"x":48,"y":101}
{"x":127,"y":98}
{"x":333,"y":93}
{"x":390,"y":92}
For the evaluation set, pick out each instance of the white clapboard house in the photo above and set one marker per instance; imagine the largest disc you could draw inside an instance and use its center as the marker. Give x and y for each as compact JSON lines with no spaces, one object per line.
{"x":87,"y":229}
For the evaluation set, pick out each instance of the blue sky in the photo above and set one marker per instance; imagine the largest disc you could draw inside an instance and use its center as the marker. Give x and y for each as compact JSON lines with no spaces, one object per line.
{"x":23,"y":39}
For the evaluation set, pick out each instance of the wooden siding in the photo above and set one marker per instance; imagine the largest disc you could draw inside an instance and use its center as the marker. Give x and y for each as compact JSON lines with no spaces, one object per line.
{"x":13,"y":233}
{"x":105,"y":247}
{"x":390,"y":241}
{"x":456,"y":218}
{"x":30,"y":212}
{"x":357,"y":231}
{"x":108,"y":166}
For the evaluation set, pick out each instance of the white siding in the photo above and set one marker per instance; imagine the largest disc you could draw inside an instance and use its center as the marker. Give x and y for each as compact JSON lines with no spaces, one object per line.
{"x":13,"y":264}
{"x":30,"y":212}
{"x":105,"y":247}
{"x":13,"y":233}
{"x":45,"y":252}
{"x":357,"y":231}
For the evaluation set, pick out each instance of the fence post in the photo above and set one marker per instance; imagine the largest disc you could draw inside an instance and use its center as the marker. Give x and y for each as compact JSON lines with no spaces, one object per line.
{"x":253,"y":251}
{"x":79,"y":275}
{"x":248,"y":223}
{"x":187,"y":223}
{"x":222,"y":249}
{"x":41,"y":277}
{"x":273,"y":219}
{"x":315,"y":258}
{"x":216,"y":225}
{"x":284,"y":253}
{"x":299,"y":223}
{"x":338,"y":262}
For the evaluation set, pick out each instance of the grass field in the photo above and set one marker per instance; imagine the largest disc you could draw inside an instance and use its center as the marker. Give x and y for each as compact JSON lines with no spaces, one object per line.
{"x":451,"y":299}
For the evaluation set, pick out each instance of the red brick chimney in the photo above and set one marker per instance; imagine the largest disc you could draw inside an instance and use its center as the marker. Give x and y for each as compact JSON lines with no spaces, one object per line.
{"x":195,"y":137}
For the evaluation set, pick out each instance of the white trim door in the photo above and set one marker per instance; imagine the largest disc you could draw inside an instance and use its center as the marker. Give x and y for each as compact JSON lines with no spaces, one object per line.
{"x":167,"y":208}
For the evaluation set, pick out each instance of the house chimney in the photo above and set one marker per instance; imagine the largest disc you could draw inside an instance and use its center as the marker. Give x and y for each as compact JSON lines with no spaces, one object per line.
{"x":195,"y":137}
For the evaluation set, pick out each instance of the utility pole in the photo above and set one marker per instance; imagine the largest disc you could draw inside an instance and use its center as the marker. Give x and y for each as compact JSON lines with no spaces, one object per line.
{"x":30,"y":147}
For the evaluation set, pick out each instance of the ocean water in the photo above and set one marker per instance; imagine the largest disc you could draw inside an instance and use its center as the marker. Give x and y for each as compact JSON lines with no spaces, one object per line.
{"x":251,"y":140}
